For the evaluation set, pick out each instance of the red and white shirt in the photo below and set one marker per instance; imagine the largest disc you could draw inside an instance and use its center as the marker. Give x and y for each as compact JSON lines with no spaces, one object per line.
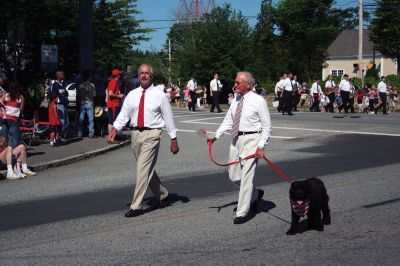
{"x":13,"y":108}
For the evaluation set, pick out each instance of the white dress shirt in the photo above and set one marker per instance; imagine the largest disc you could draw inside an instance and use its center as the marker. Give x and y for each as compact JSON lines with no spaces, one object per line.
{"x":287,"y":83}
{"x":157,"y":110}
{"x":382,"y":87}
{"x":161,"y":87}
{"x":215,"y":84}
{"x":344,"y":85}
{"x":254,"y":117}
{"x":315,"y":88}
{"x":191,"y":85}
{"x":278,"y":86}
{"x":330,"y":84}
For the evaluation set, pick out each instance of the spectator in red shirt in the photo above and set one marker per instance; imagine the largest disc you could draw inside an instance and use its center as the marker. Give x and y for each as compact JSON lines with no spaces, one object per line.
{"x":54,"y":119}
{"x":114,"y":97}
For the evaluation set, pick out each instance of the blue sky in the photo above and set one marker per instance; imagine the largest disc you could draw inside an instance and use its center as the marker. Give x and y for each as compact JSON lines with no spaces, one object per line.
{"x":165,"y":10}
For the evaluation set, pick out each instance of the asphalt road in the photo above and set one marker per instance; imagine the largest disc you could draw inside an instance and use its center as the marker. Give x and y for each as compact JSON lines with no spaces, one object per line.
{"x":74,"y":214}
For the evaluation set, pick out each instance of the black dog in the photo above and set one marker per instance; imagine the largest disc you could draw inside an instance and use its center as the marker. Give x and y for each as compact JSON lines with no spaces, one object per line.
{"x":309,"y":197}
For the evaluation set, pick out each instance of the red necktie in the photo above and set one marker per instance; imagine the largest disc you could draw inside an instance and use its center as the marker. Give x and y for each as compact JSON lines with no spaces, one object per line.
{"x":140,"y":120}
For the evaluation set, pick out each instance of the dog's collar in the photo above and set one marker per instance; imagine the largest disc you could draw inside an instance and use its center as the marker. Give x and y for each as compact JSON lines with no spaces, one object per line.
{"x":300,"y":208}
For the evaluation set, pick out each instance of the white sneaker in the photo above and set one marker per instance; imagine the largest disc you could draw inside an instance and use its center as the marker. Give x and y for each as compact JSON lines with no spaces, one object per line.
{"x":13,"y":176}
{"x":371,"y":113}
{"x":29,"y":173}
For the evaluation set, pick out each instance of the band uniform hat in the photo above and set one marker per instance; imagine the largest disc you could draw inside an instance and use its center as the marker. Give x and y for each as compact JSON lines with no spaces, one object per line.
{"x":98,"y":111}
{"x":116,"y":72}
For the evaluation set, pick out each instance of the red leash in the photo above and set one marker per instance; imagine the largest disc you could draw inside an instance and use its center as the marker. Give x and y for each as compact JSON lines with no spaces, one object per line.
{"x":273,"y":166}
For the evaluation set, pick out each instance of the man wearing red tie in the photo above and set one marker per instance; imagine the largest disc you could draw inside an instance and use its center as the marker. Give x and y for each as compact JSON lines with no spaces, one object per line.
{"x":149,"y":111}
{"x":249,"y":122}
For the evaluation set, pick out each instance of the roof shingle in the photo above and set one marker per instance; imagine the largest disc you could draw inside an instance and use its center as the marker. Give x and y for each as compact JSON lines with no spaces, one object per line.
{"x":346,"y":45}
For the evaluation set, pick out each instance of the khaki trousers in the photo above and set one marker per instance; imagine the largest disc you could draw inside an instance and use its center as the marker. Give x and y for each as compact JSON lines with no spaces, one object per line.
{"x":145,"y":146}
{"x":242,"y":174}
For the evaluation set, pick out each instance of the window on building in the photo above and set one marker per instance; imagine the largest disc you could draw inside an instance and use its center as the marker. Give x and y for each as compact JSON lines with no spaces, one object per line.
{"x":337,"y":72}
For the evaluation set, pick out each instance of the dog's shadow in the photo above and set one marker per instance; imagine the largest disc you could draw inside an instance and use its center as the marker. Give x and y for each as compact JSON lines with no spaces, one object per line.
{"x":302,"y":226}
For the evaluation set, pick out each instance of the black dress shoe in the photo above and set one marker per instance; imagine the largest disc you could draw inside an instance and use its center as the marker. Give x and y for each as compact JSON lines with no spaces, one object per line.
{"x":254,"y":205}
{"x":241,"y":219}
{"x":134,"y":213}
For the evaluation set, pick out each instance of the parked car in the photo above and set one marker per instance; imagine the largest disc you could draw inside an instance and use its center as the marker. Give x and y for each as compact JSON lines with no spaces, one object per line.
{"x":71,"y":89}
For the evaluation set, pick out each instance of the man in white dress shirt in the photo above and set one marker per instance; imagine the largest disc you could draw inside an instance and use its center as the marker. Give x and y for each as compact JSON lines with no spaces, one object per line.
{"x":382,"y":89}
{"x":344,"y":90}
{"x":249,"y":122}
{"x":315,"y":93}
{"x":296,"y":93}
{"x":279,"y":91}
{"x":149,"y":111}
{"x":288,"y":95}
{"x":192,"y":85}
{"x":330,"y":92}
{"x":215,"y":90}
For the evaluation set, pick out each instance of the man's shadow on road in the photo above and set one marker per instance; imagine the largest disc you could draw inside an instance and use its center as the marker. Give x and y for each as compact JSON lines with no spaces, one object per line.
{"x":170,"y":201}
{"x":263,"y":206}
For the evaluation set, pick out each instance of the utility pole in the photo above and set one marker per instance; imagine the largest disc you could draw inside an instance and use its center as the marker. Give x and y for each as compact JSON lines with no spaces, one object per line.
{"x":170,"y":61}
{"x":86,"y":34}
{"x":360,"y":40}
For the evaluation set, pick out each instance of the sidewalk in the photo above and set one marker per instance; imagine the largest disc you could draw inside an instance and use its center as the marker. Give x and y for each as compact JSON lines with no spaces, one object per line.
{"x":42,"y":156}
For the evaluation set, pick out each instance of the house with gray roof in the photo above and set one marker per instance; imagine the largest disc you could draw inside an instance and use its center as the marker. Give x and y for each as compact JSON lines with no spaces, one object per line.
{"x":343,"y":53}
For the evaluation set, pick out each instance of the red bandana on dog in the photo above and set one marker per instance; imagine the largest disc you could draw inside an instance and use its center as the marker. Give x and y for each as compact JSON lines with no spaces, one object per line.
{"x":300,"y":208}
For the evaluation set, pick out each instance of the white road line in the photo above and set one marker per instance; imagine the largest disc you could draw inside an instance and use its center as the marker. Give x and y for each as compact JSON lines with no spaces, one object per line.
{"x":194,"y":131}
{"x":311,"y":129}
{"x":201,"y":119}
{"x":340,"y":131}
{"x":183,"y":115}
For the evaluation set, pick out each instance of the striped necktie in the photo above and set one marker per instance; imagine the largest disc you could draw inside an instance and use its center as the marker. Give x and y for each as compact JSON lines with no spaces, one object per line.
{"x":236,"y":121}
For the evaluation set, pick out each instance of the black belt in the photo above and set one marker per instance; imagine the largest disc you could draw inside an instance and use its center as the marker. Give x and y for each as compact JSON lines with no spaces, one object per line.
{"x":143,"y":128}
{"x":241,"y":133}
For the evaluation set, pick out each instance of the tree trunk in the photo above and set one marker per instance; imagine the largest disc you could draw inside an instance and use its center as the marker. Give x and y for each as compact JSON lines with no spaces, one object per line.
{"x":398,"y":65}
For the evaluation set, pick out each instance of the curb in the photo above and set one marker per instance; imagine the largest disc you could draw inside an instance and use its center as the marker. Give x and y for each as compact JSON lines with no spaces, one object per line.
{"x":77,"y":157}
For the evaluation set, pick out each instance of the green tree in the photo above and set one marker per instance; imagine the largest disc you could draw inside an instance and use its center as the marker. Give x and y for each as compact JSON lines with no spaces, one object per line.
{"x":218,"y":43}
{"x":306,"y":29}
{"x":265,"y":64}
{"x":385,"y":29}
{"x":116,"y":31}
{"x":43,"y":22}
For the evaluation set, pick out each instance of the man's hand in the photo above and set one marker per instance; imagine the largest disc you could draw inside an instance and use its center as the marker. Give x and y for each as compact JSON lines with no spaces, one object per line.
{"x":260,"y":153}
{"x":111,"y":136}
{"x":214,"y":139}
{"x":174,"y":146}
